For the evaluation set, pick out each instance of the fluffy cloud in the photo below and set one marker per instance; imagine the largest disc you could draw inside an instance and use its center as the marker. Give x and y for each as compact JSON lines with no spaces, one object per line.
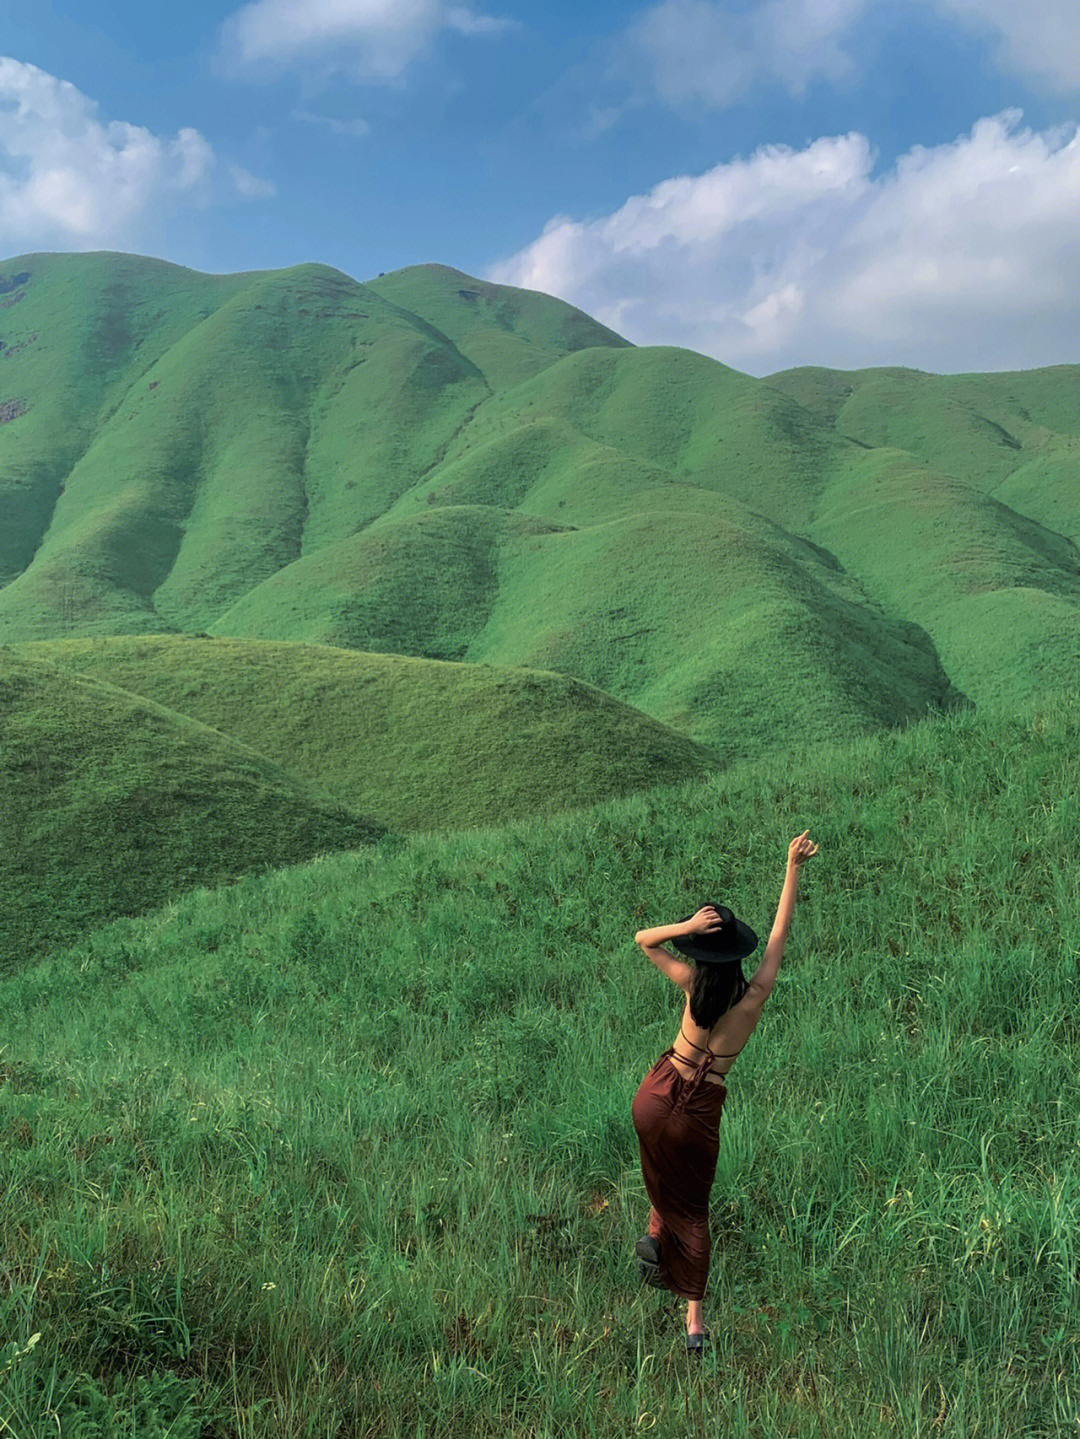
{"x":964,"y":256}
{"x":716,"y":51}
{"x":67,"y":178}
{"x":370,"y":39}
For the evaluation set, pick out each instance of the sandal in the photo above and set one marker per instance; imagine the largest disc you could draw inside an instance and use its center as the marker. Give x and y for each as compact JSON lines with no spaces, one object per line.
{"x":695,"y":1343}
{"x":647,"y":1252}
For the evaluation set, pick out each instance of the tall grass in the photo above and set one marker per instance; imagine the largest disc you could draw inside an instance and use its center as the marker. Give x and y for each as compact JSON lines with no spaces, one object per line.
{"x":346,"y":1149}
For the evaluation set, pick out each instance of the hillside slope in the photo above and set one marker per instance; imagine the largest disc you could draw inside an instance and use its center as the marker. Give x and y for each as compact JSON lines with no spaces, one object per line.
{"x":419,"y":744}
{"x":434,"y":466}
{"x":183,"y":437}
{"x":334,"y":1109}
{"x":1014,"y":435}
{"x":113,"y":804}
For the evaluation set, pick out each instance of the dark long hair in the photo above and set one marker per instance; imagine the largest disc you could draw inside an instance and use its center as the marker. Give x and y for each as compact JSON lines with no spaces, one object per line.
{"x":715,"y":989}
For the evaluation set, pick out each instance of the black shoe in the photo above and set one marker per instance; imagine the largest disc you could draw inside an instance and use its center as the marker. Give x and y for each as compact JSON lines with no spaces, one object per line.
{"x":695,"y":1343}
{"x":647,"y":1251}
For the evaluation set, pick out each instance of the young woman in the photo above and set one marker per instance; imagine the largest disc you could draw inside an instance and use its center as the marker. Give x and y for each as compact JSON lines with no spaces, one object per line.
{"x":677,"y":1109}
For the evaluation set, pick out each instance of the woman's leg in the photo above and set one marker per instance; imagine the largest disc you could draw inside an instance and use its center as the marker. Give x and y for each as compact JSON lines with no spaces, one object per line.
{"x":695,"y":1319}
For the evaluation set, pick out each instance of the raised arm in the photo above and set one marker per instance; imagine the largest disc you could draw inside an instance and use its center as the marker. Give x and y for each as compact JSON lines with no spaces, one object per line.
{"x":799,"y":850}
{"x":652,"y":942}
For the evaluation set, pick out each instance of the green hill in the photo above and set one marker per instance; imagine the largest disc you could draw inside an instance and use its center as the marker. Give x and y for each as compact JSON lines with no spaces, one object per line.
{"x":419,"y":744}
{"x":113,"y":804}
{"x":354,"y":1139}
{"x":508,"y":334}
{"x":434,"y":466}
{"x":1014,"y":435}
{"x":764,"y":624}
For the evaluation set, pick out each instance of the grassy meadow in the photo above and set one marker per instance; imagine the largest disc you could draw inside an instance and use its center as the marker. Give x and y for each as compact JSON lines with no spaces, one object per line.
{"x":346,"y":1149}
{"x":375,"y":659}
{"x":113,"y":804}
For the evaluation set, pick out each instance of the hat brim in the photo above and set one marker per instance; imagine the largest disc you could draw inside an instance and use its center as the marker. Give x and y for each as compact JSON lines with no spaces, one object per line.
{"x":691,"y":946}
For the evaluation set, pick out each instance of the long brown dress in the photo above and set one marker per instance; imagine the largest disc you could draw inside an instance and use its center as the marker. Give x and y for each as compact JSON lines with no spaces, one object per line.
{"x":677,"y":1119}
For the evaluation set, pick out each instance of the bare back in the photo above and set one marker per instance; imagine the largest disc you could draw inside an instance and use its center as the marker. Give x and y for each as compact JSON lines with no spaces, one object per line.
{"x":726,"y":1038}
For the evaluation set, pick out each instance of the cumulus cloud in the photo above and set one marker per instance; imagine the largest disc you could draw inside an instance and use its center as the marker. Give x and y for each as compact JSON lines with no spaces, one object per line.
{"x":715,"y":51}
{"x":965,"y":256}
{"x":68,"y":178}
{"x":369,"y":39}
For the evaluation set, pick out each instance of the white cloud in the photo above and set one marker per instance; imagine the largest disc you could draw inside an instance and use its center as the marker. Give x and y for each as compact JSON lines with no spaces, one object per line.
{"x":964,"y":256}
{"x":68,"y":178}
{"x":716,"y":51}
{"x":250,"y":186}
{"x":354,"y":129}
{"x":368,"y":39}
{"x":1039,"y":38}
{"x":699,"y":49}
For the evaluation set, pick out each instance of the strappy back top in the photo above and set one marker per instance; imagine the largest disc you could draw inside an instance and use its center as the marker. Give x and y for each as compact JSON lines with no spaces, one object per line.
{"x":704,"y":1070}
{"x":699,"y":1049}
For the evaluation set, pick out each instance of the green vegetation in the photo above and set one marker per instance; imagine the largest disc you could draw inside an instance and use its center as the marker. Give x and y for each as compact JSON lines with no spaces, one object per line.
{"x":113,"y":804}
{"x":417,"y":744}
{"x":328,"y":1131}
{"x":348,"y":1149}
{"x":435,"y":466}
{"x":1012,"y":435}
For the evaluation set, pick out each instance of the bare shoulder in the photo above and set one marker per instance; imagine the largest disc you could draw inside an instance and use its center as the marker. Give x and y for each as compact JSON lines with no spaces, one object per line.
{"x":735,"y":1027}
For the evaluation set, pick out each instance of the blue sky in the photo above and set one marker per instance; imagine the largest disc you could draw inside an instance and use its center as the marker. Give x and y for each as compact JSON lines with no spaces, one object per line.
{"x":773,"y":182}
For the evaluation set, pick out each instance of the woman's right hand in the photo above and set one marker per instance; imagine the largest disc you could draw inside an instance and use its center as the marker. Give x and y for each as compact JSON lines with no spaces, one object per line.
{"x":800,"y":848}
{"x":704,"y":921}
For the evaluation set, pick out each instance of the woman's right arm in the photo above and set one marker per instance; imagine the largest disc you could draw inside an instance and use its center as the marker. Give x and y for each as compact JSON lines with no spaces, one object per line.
{"x":799,"y":850}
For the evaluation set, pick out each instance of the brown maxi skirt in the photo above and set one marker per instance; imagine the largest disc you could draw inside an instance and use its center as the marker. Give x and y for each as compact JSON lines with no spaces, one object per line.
{"x":678,"y":1127}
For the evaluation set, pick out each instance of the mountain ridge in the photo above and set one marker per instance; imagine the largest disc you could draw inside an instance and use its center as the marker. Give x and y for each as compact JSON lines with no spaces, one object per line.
{"x":401,"y":463}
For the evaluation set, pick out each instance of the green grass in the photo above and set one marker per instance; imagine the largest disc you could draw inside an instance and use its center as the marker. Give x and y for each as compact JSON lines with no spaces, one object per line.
{"x":113,"y":804}
{"x":347,"y":1148}
{"x":999,"y":593}
{"x":415,"y":744}
{"x":509,"y":334}
{"x":1012,"y":434}
{"x":404,"y":465}
{"x":330,"y":1133}
{"x":768,"y":641}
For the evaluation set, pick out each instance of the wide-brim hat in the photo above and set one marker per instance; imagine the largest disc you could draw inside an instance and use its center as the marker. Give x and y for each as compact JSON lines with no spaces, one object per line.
{"x":732,"y":941}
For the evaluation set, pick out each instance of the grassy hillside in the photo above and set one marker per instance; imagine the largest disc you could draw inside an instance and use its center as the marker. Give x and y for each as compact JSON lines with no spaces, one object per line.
{"x":1013,"y":435}
{"x":716,"y":622}
{"x":406,"y":465}
{"x":418,"y":744}
{"x":242,"y":424}
{"x":348,"y":1148}
{"x":508,"y":334}
{"x":113,"y":804}
{"x":998,"y":594}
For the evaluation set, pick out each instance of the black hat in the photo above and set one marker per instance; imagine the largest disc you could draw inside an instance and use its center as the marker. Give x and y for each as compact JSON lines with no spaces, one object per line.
{"x":733,"y":940}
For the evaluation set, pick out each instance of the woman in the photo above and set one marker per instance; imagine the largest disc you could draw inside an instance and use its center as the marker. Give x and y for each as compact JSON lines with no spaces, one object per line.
{"x":677,"y":1109}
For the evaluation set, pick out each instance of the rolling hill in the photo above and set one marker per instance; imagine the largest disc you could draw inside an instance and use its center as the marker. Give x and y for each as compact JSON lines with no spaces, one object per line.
{"x":113,"y":804}
{"x":376,"y":1110}
{"x":434,"y":467}
{"x":291,"y":565}
{"x":417,"y":744}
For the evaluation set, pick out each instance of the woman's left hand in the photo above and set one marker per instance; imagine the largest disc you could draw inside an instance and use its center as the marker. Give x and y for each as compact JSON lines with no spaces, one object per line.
{"x":705,"y":920}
